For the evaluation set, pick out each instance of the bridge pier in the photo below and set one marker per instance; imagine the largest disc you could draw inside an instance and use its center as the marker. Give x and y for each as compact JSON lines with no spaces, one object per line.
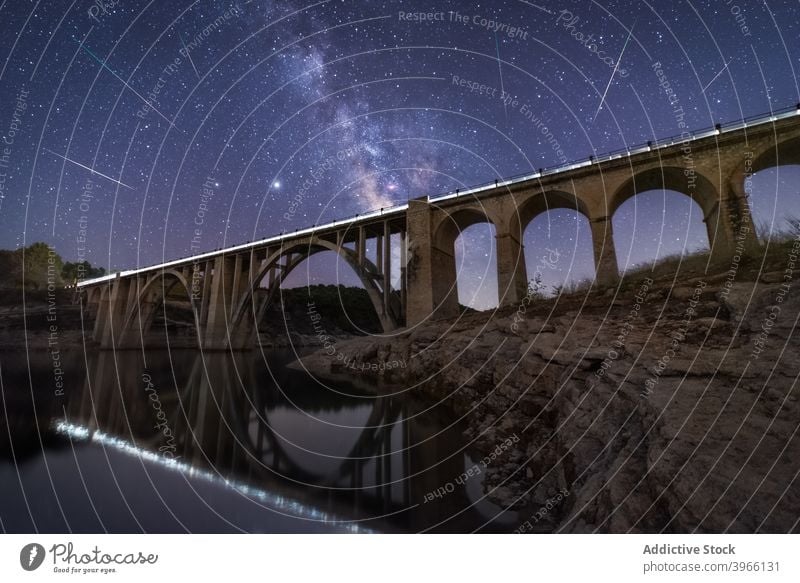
{"x":426,"y":293}
{"x":215,"y":331}
{"x":206,"y":293}
{"x":512,"y":274}
{"x":110,"y":319}
{"x":139,"y":311}
{"x":741,"y":232}
{"x":101,"y":311}
{"x":605,"y":254}
{"x":730,"y":229}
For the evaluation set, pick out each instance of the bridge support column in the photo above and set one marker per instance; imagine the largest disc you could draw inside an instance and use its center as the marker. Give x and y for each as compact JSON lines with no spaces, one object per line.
{"x":422,"y":258}
{"x":215,"y":335}
{"x":206,"y":293}
{"x":741,"y":215}
{"x":90,"y":301}
{"x":403,"y":276}
{"x":111,"y":314}
{"x":512,"y":276}
{"x":240,"y":336}
{"x":91,"y":298}
{"x":444,"y":282}
{"x":730,"y":226}
{"x":361,"y":246}
{"x":101,"y":314}
{"x":141,"y":310}
{"x":386,"y":266}
{"x":239,"y":274}
{"x":605,"y":255}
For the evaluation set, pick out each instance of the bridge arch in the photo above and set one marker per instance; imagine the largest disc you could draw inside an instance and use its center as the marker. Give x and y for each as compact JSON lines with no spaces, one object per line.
{"x":450,"y":226}
{"x":452,"y":223}
{"x":542,"y":202}
{"x":248,"y":310}
{"x":688,"y":181}
{"x":146,"y":300}
{"x":760,"y":182}
{"x":266,"y":444}
{"x":551,"y":259}
{"x":94,"y":295}
{"x":783,"y":153}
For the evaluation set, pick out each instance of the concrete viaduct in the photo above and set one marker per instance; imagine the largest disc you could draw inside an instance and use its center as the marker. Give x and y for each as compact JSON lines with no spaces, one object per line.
{"x":230,"y":289}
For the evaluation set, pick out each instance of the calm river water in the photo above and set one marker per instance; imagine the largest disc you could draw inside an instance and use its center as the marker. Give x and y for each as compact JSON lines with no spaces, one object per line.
{"x":183,"y":442}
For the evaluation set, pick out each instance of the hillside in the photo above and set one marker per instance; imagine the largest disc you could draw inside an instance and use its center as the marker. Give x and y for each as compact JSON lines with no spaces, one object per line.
{"x":660,"y":405}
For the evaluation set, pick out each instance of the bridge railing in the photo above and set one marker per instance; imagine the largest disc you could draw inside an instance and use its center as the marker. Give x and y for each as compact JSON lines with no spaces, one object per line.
{"x":651,"y":145}
{"x":183,"y":261}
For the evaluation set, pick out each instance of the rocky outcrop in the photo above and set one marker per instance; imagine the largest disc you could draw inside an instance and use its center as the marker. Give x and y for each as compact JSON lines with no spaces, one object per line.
{"x":653,"y":408}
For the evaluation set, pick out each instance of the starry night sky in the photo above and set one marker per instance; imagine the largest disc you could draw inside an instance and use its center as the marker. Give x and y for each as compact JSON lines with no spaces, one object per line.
{"x":293,"y":114}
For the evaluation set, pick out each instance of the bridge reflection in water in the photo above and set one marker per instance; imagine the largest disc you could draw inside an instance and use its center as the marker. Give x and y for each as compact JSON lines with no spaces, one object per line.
{"x":262,"y":428}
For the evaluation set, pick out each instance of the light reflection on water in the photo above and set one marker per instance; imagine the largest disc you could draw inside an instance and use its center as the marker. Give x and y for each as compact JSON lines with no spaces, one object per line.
{"x":279,"y":503}
{"x":216,"y":443}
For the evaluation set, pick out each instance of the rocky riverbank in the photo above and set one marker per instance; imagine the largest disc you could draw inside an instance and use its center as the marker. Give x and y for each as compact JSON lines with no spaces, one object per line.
{"x":662,"y":405}
{"x":41,"y":327}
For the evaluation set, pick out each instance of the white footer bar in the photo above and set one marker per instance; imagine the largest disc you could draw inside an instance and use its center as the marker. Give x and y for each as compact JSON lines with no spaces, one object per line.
{"x":396,"y":558}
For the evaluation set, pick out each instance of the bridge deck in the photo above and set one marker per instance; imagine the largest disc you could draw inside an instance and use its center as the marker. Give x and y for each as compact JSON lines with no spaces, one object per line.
{"x":398,"y":212}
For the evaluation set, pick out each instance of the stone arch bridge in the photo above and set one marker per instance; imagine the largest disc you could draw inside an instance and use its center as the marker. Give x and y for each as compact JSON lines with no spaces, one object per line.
{"x":230,"y":289}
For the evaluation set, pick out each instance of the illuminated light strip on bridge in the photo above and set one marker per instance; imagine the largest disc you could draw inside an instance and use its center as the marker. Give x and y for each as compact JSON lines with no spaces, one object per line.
{"x":385,"y":213}
{"x":280,"y":504}
{"x":396,"y":210}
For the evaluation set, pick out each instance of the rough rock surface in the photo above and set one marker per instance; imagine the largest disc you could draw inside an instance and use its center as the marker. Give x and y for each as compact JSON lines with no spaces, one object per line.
{"x":653,"y":419}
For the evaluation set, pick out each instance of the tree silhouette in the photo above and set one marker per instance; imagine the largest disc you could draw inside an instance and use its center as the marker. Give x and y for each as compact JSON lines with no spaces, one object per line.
{"x":72,"y":272}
